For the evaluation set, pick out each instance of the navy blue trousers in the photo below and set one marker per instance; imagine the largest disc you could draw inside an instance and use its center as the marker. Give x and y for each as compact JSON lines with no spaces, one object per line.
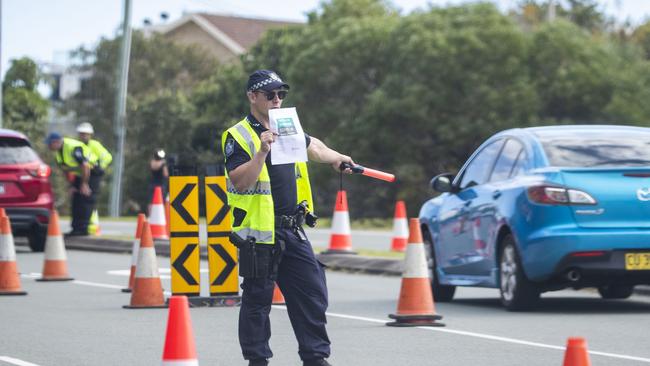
{"x":301,"y":279}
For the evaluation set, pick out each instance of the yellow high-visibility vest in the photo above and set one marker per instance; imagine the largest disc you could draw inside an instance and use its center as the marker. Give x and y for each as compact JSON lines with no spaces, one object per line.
{"x":104,"y":157}
{"x":66,"y":160}
{"x":252,"y":210}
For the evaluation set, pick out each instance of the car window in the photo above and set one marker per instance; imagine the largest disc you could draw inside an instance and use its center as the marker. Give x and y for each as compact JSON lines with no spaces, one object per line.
{"x":520,"y":164}
{"x":15,"y":151}
{"x":506,"y":161}
{"x":478,"y":170}
{"x":596,"y":148}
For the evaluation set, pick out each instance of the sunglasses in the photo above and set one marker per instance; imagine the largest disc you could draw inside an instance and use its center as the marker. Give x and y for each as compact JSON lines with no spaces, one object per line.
{"x":271,"y":95}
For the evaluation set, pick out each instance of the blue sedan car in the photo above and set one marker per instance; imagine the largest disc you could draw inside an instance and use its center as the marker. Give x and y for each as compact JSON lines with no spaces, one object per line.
{"x":542,"y":209}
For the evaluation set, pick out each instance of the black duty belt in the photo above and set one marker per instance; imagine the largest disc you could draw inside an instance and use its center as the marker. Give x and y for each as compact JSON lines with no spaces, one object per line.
{"x":288,"y":222}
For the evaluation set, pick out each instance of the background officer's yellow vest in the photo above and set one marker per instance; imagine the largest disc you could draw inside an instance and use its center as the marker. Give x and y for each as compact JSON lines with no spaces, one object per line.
{"x":252,"y":210}
{"x":66,"y":160}
{"x":104,"y":157}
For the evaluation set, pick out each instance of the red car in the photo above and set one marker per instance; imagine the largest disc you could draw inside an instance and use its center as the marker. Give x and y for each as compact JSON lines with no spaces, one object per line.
{"x":25,"y":191}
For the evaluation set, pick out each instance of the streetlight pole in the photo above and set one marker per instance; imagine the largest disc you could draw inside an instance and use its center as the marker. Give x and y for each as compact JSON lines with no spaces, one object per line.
{"x":551,"y":10}
{"x":119,"y":117}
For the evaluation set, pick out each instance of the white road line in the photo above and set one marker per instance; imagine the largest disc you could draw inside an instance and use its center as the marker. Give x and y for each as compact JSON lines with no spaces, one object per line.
{"x":15,"y":361}
{"x":383,"y":321}
{"x":486,"y":336}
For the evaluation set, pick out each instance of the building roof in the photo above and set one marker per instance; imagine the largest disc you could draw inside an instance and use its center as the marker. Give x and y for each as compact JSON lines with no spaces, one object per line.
{"x":236,"y":33}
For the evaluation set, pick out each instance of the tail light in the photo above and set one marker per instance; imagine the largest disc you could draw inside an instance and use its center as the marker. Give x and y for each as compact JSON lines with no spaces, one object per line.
{"x":553,"y":195}
{"x":43,"y":171}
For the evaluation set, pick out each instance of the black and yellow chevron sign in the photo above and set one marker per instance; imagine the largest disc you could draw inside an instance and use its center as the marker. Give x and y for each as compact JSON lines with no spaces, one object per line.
{"x":222,"y":254}
{"x":184,"y":235}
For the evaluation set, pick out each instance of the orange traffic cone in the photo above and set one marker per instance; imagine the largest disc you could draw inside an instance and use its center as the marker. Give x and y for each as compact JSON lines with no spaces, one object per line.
{"x":147,"y":289}
{"x":576,"y":353}
{"x":9,"y":278}
{"x":179,"y":342}
{"x":167,"y":223}
{"x":340,"y":240}
{"x":55,"y":267}
{"x":278,"y":298}
{"x":400,"y":228}
{"x":2,"y":212}
{"x":415,"y":306}
{"x":134,"y":252}
{"x":157,"y":216}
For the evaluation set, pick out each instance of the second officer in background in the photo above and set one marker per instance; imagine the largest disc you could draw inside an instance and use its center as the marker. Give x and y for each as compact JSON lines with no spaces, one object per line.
{"x":76,"y":161}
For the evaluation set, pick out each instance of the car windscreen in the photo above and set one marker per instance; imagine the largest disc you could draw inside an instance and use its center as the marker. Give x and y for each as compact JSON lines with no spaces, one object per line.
{"x":586,"y":149}
{"x":15,"y":151}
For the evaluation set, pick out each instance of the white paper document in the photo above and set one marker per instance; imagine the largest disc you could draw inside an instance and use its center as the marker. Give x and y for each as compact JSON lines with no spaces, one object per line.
{"x":289,"y":146}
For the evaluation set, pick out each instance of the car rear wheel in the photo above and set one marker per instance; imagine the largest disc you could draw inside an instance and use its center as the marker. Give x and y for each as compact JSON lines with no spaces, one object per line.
{"x":36,"y":239}
{"x":615,"y":291}
{"x":441,"y":293}
{"x":517,"y":292}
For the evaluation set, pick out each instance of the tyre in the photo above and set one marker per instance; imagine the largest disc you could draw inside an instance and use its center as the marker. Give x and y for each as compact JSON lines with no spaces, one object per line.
{"x":615,"y":291}
{"x":36,"y":239}
{"x":441,"y":293}
{"x":517,"y":292}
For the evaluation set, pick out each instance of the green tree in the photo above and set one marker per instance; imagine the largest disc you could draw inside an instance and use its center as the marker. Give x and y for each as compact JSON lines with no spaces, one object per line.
{"x":24,"y":109}
{"x":161,"y":76}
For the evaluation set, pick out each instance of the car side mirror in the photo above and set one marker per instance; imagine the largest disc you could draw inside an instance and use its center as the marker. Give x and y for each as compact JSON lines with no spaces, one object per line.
{"x":443,"y":183}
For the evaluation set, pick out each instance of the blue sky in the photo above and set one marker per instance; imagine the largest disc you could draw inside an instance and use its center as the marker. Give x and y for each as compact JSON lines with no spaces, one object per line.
{"x":45,"y":29}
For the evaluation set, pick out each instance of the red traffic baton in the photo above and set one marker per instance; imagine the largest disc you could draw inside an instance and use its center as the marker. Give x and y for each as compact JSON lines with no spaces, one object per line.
{"x":372,"y":173}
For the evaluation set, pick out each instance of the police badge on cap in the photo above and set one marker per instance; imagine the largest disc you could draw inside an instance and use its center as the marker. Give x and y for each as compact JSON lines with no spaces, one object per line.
{"x":266,"y":80}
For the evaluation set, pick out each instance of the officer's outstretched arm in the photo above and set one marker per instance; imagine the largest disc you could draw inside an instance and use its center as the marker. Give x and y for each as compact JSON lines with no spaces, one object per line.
{"x":319,"y":152}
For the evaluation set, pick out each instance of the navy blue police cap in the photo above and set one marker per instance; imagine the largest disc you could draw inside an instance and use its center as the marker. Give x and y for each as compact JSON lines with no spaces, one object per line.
{"x":53,"y":136}
{"x":266,"y":80}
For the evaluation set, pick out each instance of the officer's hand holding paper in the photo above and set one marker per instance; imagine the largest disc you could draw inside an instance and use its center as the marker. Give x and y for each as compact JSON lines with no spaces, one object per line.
{"x":289,"y":146}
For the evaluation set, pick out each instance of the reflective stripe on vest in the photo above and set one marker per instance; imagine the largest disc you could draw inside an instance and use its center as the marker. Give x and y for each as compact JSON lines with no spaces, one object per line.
{"x":256,"y":201}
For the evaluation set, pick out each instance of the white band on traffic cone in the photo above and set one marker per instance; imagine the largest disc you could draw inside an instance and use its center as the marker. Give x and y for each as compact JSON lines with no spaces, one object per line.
{"x":147,"y":264}
{"x":54,"y":248}
{"x":400,"y":228}
{"x":415,"y":262}
{"x":341,"y":223}
{"x":180,"y":363}
{"x":157,"y":216}
{"x":7,"y":248}
{"x":134,"y":252}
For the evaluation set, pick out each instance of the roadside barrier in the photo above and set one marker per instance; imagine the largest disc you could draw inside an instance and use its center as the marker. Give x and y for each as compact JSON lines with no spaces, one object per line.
{"x":400,"y":228}
{"x":134,"y":252}
{"x":180,"y":349}
{"x":415,"y":307}
{"x":278,"y":297}
{"x":340,"y":240}
{"x":576,"y":352}
{"x":55,"y":267}
{"x":147,"y":289}
{"x":9,"y":278}
{"x":157,"y":216}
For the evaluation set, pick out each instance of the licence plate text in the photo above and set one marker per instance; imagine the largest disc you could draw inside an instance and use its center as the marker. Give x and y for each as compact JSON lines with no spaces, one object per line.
{"x":637,"y":261}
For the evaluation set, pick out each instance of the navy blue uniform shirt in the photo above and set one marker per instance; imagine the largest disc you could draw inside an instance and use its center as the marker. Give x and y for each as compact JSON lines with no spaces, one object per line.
{"x":283,"y":177}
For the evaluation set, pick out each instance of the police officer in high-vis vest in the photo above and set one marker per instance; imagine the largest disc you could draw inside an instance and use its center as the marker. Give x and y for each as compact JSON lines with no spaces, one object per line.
{"x":75,"y":158}
{"x":269,"y":203}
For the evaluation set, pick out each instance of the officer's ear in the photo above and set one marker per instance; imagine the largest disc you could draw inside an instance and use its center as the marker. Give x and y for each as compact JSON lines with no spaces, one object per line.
{"x":251,"y":96}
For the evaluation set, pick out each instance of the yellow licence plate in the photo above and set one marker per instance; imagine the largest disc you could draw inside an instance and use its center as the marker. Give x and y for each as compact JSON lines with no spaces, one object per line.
{"x":637,"y":261}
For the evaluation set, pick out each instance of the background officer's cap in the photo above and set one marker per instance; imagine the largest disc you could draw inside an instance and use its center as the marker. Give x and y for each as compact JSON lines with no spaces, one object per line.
{"x":85,"y":128}
{"x":266,"y":80}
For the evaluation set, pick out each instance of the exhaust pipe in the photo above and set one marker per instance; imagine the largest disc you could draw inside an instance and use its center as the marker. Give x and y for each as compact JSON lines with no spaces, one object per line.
{"x":573,"y":275}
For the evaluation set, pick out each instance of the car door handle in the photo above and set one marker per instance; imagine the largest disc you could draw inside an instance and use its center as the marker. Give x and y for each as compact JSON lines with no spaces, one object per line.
{"x":496,"y":194}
